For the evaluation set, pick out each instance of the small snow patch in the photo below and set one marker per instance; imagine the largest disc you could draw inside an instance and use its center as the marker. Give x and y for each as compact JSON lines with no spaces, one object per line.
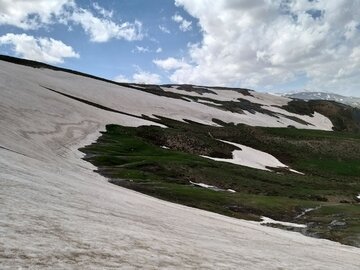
{"x":266,"y":220}
{"x":202,"y":185}
{"x":295,"y":171}
{"x":206,"y":186}
{"x":252,"y":158}
{"x":307,"y":210}
{"x":211,"y":187}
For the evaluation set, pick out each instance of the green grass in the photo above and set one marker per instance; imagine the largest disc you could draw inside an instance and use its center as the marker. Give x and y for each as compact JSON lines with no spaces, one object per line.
{"x":331,"y":166}
{"x":294,"y":133}
{"x":133,"y":158}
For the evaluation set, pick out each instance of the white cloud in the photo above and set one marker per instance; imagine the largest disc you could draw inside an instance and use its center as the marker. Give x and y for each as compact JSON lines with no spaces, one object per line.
{"x":141,"y":49}
{"x":104,"y":12}
{"x":103,"y":29}
{"x":171,"y":63}
{"x":261,"y":43}
{"x":41,"y":49}
{"x":164,"y":29}
{"x":146,"y":77}
{"x":33,"y":14}
{"x":140,"y":77}
{"x":184,"y":25}
{"x":121,"y":78}
{"x":177,"y":18}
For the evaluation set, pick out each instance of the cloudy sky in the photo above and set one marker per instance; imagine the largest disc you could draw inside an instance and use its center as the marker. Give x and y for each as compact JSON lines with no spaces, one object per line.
{"x":266,"y":45}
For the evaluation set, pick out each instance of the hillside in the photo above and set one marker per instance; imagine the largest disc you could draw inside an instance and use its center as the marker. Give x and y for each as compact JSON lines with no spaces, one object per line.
{"x":308,"y":95}
{"x":180,"y":143}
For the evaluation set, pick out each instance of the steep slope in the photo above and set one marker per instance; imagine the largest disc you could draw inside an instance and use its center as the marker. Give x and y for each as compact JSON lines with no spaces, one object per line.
{"x":56,"y":213}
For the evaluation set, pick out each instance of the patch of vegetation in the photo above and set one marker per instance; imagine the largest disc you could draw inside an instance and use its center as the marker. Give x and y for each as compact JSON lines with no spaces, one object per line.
{"x":243,"y":91}
{"x":299,"y":106}
{"x":157,"y":90}
{"x":138,"y":158}
{"x":196,"y":89}
{"x":202,"y":90}
{"x":245,"y":105}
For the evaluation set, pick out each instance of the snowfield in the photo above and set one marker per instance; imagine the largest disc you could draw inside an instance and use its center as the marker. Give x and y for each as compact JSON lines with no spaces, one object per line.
{"x":267,"y":101}
{"x":138,"y":103}
{"x":56,"y":213}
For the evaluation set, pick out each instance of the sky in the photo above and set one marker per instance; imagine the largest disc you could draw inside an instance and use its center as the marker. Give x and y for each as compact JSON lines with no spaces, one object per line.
{"x":265,"y":45}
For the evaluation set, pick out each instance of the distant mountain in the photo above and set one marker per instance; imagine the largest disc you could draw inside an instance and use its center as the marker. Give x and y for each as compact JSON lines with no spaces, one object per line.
{"x":352,"y":101}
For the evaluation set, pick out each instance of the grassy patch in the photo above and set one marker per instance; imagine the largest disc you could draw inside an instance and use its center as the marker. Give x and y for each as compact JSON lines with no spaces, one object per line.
{"x":332,"y":166}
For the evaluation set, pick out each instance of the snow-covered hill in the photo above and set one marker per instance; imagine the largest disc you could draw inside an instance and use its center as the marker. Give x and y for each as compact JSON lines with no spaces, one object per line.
{"x":57,"y":213}
{"x":352,"y":101}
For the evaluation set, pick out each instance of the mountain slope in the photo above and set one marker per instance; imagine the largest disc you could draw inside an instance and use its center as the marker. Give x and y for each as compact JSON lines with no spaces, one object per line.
{"x":352,"y":101}
{"x":264,"y":111}
{"x":57,"y":213}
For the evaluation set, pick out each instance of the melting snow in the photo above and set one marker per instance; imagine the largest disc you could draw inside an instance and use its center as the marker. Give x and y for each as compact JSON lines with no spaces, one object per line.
{"x":211,"y":187}
{"x":295,"y":171}
{"x":203,"y":185}
{"x":266,"y":220}
{"x":307,"y":210}
{"x":252,"y":158}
